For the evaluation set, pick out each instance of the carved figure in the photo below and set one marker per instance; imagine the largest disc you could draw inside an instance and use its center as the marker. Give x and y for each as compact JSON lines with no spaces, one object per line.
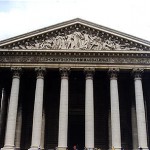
{"x":27,"y":45}
{"x":58,"y":42}
{"x":108,"y":44}
{"x":96,"y":43}
{"x":85,"y":43}
{"x":63,"y":42}
{"x":117,"y":46}
{"x":70,"y":41}
{"x":77,"y":39}
{"x":47,"y":44}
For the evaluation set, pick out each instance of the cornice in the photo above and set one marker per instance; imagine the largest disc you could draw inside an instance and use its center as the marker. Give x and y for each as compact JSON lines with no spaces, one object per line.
{"x":74,"y":53}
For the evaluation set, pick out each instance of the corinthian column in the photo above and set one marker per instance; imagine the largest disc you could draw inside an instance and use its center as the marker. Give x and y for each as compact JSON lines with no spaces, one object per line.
{"x":12,"y":111}
{"x":63,"y":110}
{"x":89,"y":109}
{"x":140,"y":109}
{"x":115,"y":114}
{"x":38,"y":107}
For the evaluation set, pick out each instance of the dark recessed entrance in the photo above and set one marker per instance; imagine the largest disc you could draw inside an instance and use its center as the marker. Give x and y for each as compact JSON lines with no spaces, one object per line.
{"x":76,"y":120}
{"x":76,"y":130}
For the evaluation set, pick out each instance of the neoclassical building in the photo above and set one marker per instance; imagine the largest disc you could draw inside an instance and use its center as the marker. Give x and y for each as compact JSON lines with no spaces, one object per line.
{"x":75,"y":82}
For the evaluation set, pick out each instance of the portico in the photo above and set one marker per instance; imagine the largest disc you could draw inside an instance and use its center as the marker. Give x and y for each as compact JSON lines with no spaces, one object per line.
{"x":94,"y":94}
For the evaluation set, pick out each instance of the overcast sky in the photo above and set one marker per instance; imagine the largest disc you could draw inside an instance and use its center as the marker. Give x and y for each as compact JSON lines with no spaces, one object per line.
{"x":21,"y":16}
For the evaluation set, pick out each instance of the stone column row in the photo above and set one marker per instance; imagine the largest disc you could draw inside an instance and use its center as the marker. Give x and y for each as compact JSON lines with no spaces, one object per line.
{"x":12,"y":112}
{"x":89,"y":110}
{"x":63,"y":111}
{"x":140,"y":109}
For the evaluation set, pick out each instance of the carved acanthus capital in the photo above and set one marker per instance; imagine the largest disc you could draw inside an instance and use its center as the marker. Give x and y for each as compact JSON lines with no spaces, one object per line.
{"x":16,"y":72}
{"x":113,"y":72}
{"x":64,"y":72}
{"x":89,"y":72}
{"x":137,"y":73}
{"x":40,"y":72}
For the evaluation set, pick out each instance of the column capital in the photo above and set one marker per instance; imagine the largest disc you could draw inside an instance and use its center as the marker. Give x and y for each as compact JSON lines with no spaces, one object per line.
{"x":113,"y":72}
{"x":16,"y":72}
{"x":137,"y":73}
{"x":40,"y":72}
{"x":64,"y":71}
{"x":89,"y":72}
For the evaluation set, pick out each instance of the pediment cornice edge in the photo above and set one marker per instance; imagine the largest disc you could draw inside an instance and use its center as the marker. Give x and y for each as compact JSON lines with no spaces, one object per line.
{"x":75,"y":52}
{"x":72,"y":22}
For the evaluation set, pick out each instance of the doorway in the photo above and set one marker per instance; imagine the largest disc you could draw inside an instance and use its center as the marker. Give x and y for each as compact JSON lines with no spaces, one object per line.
{"x":76,"y":130}
{"x":76,"y":120}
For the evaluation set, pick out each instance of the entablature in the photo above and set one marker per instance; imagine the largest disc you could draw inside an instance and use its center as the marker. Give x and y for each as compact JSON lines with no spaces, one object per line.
{"x":75,"y":59}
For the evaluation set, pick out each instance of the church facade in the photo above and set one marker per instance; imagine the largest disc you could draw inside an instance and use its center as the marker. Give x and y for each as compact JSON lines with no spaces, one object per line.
{"x":75,"y":83}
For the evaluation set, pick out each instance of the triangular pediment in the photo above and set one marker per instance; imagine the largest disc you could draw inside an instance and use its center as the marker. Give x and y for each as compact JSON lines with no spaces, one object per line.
{"x":76,"y":34}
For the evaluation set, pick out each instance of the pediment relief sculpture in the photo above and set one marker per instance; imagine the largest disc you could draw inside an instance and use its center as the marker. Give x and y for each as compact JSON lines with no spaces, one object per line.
{"x":75,"y":37}
{"x":77,"y":40}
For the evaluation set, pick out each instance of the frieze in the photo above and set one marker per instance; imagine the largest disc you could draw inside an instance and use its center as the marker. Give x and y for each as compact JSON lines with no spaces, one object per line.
{"x":77,"y":60}
{"x":76,"y":39}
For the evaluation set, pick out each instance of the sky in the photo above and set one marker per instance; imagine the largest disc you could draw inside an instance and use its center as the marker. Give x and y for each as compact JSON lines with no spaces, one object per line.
{"x":22,"y":16}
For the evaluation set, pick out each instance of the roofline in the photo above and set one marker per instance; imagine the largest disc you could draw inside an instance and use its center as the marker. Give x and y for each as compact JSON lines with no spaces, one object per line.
{"x":71,"y":22}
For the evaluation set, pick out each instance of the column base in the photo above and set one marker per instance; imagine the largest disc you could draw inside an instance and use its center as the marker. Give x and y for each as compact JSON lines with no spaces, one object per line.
{"x":8,"y":148}
{"x":34,"y":148}
{"x":61,"y":148}
{"x":143,"y":148}
{"x":117,"y":148}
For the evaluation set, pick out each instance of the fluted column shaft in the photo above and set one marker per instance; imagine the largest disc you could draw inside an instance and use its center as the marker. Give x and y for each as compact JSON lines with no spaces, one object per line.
{"x":63,"y":110}
{"x":12,"y":111}
{"x":140,"y":109}
{"x":38,"y":107}
{"x":43,"y":131}
{"x":18,"y":129}
{"x":115,"y":113}
{"x":89,"y":109}
{"x":134,"y":128}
